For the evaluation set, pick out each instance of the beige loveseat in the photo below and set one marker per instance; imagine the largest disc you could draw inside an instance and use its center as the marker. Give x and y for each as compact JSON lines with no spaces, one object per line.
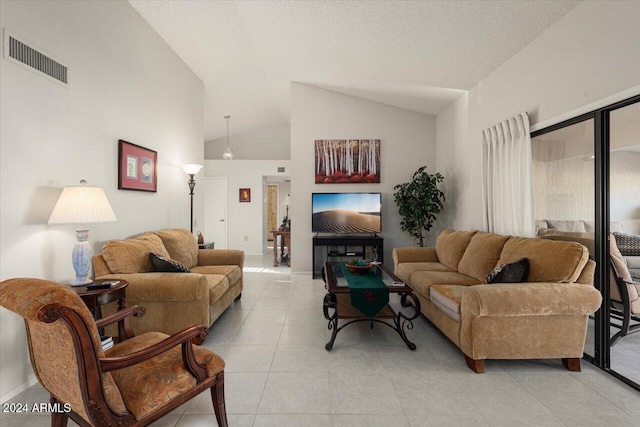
{"x":544,"y":317}
{"x":173,"y":301}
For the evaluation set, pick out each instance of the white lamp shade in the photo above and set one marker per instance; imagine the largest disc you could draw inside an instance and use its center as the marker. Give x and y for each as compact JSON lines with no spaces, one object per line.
{"x":287,"y":201}
{"x":82,"y":205}
{"x":191,"y":169}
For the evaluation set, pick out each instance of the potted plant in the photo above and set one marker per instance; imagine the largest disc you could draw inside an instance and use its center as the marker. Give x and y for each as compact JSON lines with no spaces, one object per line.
{"x":419,"y":202}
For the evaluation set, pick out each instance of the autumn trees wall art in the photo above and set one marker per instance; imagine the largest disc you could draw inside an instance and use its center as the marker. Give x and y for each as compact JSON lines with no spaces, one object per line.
{"x":347,"y":161}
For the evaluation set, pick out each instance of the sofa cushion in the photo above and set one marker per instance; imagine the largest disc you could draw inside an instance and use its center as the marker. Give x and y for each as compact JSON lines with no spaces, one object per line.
{"x":421,"y":281}
{"x":542,"y":224}
{"x":181,"y":245}
{"x":448,"y":299}
{"x":482,"y":254}
{"x":616,"y":227}
{"x":233,"y":272}
{"x":549,"y":260}
{"x":451,"y":245}
{"x":405,"y":270}
{"x":573,"y":226}
{"x":218,"y":285}
{"x":514,"y":272}
{"x":132,"y":255}
{"x":167,"y":265}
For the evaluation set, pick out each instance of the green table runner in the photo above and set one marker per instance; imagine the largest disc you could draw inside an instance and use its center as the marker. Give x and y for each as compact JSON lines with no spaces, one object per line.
{"x":369,"y":294}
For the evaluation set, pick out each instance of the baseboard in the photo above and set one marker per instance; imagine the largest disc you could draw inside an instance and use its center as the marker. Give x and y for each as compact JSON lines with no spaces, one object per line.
{"x":16,"y":391}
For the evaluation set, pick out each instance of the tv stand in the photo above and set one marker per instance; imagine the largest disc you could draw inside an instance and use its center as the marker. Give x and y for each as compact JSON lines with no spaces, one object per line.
{"x":339,"y":246}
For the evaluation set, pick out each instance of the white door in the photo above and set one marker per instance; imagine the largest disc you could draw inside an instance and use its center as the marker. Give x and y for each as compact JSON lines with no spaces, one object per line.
{"x":215,"y":211}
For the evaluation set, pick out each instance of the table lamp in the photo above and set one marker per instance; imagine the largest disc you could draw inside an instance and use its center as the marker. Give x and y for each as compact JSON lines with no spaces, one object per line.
{"x":82,"y":205}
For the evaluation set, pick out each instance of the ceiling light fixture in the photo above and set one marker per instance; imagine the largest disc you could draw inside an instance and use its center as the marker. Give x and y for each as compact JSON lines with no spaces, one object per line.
{"x":228,"y":154}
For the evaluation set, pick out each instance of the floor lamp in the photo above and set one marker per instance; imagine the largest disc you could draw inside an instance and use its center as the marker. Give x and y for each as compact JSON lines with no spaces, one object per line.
{"x":191,"y":170}
{"x":82,"y":205}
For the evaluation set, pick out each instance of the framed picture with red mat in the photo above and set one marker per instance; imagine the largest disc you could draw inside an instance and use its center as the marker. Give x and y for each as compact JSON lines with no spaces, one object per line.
{"x":136,"y":167}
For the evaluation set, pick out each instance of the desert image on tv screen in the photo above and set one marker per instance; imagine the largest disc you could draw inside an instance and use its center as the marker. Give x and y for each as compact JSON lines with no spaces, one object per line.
{"x":346,"y":213}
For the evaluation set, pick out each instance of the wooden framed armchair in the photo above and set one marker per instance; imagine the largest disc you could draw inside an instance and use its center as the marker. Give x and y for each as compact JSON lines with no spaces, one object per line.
{"x":134,"y":383}
{"x":624,"y":295}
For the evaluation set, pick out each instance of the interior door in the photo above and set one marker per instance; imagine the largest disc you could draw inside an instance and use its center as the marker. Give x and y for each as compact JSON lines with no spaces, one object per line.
{"x":272,"y":210}
{"x":215,"y":211}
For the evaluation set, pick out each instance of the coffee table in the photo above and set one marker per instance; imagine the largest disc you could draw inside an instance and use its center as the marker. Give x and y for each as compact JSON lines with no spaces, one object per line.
{"x":337,"y":304}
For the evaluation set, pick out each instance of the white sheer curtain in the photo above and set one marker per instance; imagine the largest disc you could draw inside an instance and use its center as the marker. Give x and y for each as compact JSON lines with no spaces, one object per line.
{"x":507,"y":191}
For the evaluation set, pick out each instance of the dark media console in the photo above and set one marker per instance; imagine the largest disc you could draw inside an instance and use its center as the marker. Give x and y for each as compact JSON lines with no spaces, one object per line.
{"x":342,"y":245}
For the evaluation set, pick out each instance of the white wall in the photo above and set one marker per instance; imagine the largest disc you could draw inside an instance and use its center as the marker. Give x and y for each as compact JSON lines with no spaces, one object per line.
{"x":272,"y":143}
{"x":407,"y":142}
{"x":245,"y":220}
{"x":589,"y":54}
{"x":126,"y":83}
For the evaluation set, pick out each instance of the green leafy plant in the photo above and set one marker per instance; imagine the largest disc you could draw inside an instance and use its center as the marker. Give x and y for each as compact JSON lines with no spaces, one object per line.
{"x":419,"y":202}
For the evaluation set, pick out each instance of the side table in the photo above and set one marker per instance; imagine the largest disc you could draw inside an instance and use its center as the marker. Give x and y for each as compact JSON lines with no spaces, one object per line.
{"x":285,"y":240}
{"x":94,"y":298}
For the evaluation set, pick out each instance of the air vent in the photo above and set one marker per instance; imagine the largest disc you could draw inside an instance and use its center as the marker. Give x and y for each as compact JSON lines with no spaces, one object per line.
{"x":33,"y":59}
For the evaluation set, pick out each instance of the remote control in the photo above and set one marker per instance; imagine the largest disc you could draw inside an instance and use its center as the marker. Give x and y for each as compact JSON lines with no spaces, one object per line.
{"x":99,"y":286}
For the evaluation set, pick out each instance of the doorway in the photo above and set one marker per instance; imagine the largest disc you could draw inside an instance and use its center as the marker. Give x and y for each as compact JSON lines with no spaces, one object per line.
{"x":215,"y":209}
{"x":272,"y":212}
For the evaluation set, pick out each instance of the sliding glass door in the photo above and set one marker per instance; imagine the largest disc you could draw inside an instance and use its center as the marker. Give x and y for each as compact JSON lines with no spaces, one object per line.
{"x":624,"y":214}
{"x":586,"y":175}
{"x":564,"y":188}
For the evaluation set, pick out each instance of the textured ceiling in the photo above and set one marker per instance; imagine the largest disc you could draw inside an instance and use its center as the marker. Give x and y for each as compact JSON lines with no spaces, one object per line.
{"x":417,"y":55}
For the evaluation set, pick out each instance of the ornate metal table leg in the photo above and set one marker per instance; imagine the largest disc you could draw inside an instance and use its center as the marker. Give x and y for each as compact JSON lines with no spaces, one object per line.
{"x":403,"y":322}
{"x":330,"y":302}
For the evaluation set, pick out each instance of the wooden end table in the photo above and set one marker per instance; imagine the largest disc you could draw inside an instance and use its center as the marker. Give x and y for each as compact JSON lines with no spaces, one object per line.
{"x":94,"y":298}
{"x":285,"y":240}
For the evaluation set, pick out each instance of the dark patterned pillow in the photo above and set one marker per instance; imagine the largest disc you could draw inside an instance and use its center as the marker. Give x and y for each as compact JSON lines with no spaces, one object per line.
{"x":628,"y":244}
{"x":167,"y":265}
{"x":514,"y":272}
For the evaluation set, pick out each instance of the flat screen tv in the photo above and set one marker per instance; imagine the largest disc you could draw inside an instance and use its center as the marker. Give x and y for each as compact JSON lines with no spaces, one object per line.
{"x":346,"y":212}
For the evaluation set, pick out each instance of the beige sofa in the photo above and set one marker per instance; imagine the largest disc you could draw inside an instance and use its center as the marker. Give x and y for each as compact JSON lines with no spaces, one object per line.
{"x":544,"y":317}
{"x":173,"y":301}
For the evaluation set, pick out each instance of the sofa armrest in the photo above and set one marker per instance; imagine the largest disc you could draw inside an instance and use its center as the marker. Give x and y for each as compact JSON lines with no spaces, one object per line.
{"x":529,"y":299}
{"x":418,"y":254}
{"x":221,"y":257}
{"x":158,"y":286}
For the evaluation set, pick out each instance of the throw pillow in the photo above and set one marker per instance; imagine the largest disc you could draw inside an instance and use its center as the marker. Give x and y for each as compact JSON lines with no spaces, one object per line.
{"x":514,"y":272}
{"x":628,"y":244}
{"x":167,"y":265}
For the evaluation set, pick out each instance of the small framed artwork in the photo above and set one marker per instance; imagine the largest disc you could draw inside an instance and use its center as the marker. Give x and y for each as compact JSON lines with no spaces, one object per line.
{"x":244,"y":195}
{"x":136,"y":167}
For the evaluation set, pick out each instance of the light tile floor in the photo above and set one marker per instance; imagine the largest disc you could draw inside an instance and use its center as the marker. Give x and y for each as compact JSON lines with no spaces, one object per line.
{"x":279,"y":374}
{"x":625,"y":353}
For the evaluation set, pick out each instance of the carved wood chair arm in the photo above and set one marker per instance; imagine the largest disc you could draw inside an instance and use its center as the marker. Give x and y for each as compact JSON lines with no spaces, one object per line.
{"x":124,"y":322}
{"x":136,"y":310}
{"x":184,"y":337}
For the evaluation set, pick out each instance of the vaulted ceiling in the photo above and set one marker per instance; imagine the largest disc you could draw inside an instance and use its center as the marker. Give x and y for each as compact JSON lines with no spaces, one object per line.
{"x":417,"y":55}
